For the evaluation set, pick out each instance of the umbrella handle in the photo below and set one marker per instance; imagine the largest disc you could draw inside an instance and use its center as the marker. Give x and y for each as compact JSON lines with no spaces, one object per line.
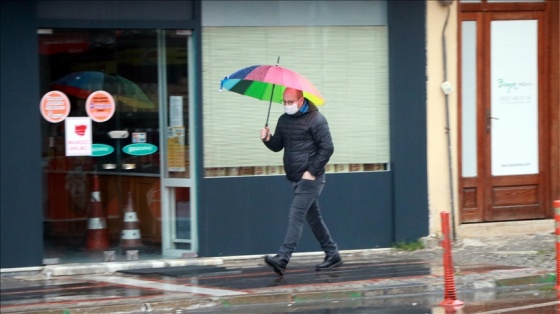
{"x":271,"y":93}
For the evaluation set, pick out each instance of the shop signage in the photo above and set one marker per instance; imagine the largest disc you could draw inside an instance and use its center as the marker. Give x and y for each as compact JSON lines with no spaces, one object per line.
{"x":140,"y":149}
{"x":78,"y":136}
{"x":73,"y":43}
{"x":176,"y":110}
{"x":176,"y":149}
{"x":100,"y":106}
{"x":101,"y":150}
{"x":55,"y":106}
{"x":515,"y":128}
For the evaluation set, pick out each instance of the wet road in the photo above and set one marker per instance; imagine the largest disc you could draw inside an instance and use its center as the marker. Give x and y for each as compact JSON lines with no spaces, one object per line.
{"x":256,"y":289}
{"x":486,"y":302}
{"x":215,"y":281}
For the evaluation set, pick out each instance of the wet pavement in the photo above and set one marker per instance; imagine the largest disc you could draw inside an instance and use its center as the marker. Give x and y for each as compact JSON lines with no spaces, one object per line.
{"x":244,"y":279}
{"x":207,"y":285}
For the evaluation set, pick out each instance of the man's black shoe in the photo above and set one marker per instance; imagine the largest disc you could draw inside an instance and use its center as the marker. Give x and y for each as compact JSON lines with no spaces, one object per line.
{"x":278,"y":265}
{"x":330,"y":262}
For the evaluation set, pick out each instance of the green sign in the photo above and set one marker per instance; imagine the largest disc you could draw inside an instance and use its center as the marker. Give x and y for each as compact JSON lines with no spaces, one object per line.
{"x":101,"y":150}
{"x":140,"y":149}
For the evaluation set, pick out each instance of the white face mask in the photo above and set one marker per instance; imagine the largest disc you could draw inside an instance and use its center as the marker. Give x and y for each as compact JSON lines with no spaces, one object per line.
{"x":291,"y":109}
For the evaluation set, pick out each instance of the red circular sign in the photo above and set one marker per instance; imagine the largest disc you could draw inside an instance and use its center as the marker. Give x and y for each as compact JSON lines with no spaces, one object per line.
{"x":55,"y":106}
{"x":100,"y":106}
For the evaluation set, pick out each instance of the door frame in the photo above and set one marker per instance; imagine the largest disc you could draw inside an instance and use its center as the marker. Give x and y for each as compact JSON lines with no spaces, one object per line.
{"x":473,"y":199}
{"x":168,"y":201}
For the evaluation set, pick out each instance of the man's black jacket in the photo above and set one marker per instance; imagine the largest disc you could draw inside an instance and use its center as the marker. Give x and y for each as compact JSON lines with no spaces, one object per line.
{"x":306,"y":140}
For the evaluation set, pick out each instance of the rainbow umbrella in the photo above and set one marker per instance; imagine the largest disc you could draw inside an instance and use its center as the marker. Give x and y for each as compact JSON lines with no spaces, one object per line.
{"x":268,"y":82}
{"x":82,"y":84}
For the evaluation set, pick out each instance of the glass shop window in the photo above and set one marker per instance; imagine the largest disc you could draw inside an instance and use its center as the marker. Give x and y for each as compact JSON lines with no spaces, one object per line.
{"x":357,"y":109}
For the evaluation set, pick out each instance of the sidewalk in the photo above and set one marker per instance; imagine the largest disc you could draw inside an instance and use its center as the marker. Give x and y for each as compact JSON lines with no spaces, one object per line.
{"x":220,"y":282}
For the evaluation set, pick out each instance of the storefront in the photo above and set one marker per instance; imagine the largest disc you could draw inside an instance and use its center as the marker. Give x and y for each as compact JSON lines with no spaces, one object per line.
{"x":117,"y":78}
{"x":115,"y":137}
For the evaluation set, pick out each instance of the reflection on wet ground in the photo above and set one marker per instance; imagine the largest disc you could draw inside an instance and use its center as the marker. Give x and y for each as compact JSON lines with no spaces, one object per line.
{"x":239,"y":279}
{"x":481,"y":302}
{"x":18,"y":294}
{"x":89,"y":291}
{"x":255,"y":278}
{"x":526,"y":300}
{"x":64,"y":252}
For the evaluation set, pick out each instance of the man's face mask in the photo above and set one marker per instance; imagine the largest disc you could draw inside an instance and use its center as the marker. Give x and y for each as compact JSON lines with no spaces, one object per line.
{"x":291,"y":109}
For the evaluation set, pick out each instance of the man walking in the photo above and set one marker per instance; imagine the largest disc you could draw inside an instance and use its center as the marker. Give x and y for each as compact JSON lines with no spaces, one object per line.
{"x":304,"y":135}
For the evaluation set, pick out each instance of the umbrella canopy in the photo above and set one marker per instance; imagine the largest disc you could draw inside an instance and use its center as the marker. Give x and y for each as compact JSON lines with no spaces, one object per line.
{"x":268,"y":82}
{"x":82,"y":84}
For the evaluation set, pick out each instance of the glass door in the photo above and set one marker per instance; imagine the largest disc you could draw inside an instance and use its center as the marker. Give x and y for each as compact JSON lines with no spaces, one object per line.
{"x":103,"y":163}
{"x":178,"y":196}
{"x":503,"y":134}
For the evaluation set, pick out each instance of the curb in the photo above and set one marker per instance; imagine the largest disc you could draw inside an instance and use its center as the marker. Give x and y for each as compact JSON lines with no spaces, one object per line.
{"x":110,"y":267}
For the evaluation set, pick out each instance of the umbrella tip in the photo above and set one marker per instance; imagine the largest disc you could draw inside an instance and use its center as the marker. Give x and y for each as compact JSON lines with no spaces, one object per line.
{"x":222,"y":82}
{"x":278,"y":61}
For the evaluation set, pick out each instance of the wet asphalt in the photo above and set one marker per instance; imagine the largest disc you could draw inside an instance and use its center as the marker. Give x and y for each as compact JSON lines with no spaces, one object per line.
{"x":247,"y":284}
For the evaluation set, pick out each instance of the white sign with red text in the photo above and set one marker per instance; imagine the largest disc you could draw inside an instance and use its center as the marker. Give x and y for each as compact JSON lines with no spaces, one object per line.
{"x":78,"y":136}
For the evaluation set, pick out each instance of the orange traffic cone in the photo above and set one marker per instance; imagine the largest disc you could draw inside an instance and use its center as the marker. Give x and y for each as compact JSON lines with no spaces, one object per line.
{"x":130,"y":237}
{"x":97,"y":234}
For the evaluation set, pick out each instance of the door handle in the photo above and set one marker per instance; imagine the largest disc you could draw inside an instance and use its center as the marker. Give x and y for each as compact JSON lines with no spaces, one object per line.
{"x":489,"y":119}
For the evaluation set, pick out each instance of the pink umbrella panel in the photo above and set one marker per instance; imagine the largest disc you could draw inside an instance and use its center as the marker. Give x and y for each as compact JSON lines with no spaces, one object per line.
{"x":259,"y":81}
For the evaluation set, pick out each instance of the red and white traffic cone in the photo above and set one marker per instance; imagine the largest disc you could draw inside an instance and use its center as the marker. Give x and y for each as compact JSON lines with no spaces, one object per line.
{"x":97,"y":234}
{"x":130,"y":236}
